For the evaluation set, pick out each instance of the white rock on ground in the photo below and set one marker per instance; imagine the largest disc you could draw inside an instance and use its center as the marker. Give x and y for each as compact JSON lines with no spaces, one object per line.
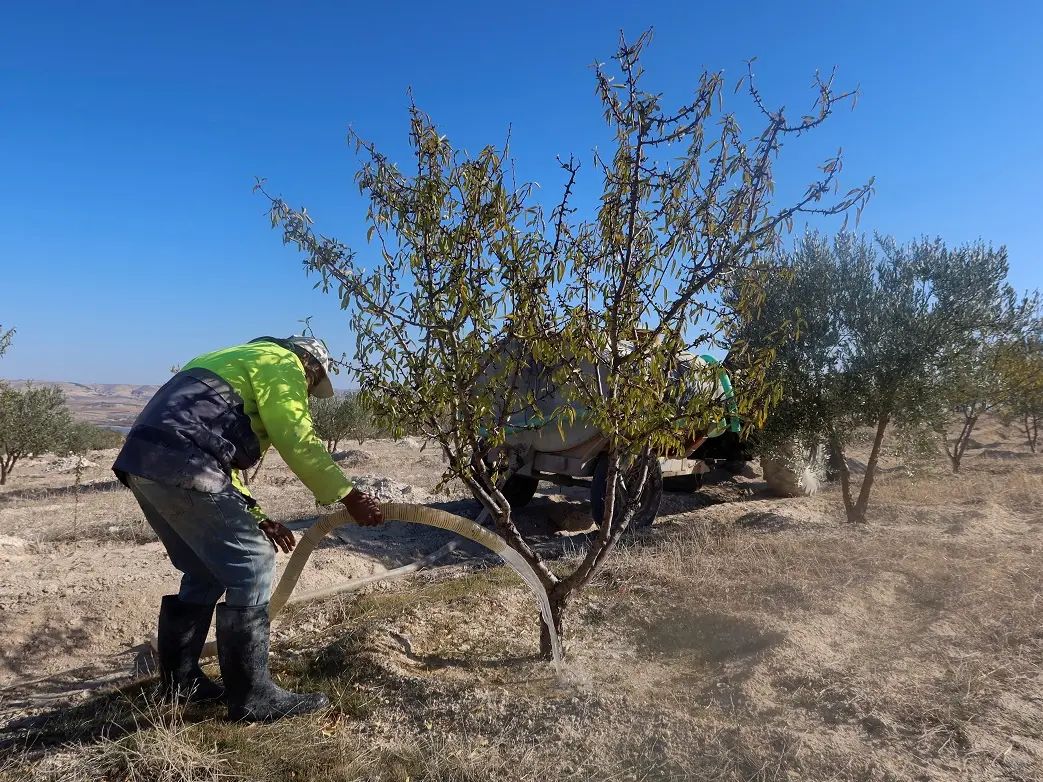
{"x":67,"y":463}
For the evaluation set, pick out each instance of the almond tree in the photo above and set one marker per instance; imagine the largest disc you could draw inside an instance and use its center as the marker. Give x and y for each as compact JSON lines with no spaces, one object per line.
{"x":471,"y":284}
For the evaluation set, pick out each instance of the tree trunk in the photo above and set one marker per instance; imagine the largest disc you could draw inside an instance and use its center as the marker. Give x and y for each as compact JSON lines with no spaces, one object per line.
{"x":612,"y":527}
{"x":857,"y":515}
{"x":6,"y":466}
{"x":1032,"y":431}
{"x":960,"y":446}
{"x":837,"y":453}
{"x":558,"y":602}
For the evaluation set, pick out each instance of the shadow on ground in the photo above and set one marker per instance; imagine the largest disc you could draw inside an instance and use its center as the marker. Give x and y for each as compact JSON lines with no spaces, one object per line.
{"x":35,"y":694}
{"x":708,"y":636}
{"x":112,"y":714}
{"x":40,"y":493}
{"x":557,"y":521}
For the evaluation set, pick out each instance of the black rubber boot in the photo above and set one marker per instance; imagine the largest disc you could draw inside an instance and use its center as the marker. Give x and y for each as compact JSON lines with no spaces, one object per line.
{"x":243,"y":637}
{"x":182,"y":633}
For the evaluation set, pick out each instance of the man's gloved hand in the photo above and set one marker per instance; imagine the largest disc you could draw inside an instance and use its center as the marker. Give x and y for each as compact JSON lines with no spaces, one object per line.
{"x":364,"y":508}
{"x":281,"y":537}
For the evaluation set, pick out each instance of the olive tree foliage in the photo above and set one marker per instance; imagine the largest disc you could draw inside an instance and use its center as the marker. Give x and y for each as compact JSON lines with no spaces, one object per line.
{"x":471,"y":283}
{"x":83,"y":436}
{"x":976,"y":383}
{"x":881,"y":329}
{"x":915,"y":316}
{"x":32,"y":421}
{"x":802,"y":302}
{"x":1021,"y":375}
{"x":341,"y":417}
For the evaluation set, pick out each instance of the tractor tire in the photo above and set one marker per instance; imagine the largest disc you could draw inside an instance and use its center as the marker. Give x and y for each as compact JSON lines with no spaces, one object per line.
{"x":793,"y":470}
{"x":651,"y":496}
{"x":519,"y":490}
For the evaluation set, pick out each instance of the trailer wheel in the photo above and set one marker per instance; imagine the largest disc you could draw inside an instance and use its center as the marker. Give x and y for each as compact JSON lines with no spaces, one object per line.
{"x":651,"y":496}
{"x":519,"y":490}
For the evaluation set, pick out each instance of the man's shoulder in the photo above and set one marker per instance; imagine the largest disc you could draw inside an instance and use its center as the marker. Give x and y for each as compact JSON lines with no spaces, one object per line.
{"x":256,"y":350}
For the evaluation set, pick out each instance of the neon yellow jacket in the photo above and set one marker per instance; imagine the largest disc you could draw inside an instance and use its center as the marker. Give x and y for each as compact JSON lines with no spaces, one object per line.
{"x":219,"y":415}
{"x":270,"y":381}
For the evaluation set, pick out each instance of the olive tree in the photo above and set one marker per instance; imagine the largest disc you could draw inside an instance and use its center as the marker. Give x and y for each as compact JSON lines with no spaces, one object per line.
{"x":32,"y":421}
{"x":471,"y":282}
{"x":83,"y":436}
{"x":912,"y":315}
{"x":801,"y":314}
{"x":975,"y":383}
{"x":1021,"y":374}
{"x":880,"y":332}
{"x":342,"y":417}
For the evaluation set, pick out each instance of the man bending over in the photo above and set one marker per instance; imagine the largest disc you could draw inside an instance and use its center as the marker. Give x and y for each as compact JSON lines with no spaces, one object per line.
{"x":181,"y":460}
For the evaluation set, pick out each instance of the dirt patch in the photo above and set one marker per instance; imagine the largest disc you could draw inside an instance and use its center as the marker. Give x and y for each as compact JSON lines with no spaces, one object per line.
{"x":387,"y":490}
{"x":83,"y":574}
{"x":9,"y":543}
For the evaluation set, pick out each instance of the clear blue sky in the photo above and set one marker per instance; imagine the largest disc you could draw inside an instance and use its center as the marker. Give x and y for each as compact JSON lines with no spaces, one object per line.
{"x":130,"y":134}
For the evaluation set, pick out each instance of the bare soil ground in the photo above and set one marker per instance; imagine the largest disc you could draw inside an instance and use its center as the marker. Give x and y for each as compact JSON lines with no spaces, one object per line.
{"x":744,"y":638}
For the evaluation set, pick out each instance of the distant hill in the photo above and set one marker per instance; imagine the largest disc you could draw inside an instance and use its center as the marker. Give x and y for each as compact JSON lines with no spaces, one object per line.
{"x":113,"y":405}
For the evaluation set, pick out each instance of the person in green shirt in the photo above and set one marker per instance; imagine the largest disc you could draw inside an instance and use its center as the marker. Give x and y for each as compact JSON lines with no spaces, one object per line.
{"x":182,"y":460}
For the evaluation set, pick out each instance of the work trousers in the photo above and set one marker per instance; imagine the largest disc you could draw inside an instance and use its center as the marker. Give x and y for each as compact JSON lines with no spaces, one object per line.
{"x":214,"y":541}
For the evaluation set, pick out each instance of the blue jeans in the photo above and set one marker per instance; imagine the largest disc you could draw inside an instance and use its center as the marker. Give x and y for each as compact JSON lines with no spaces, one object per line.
{"x":213,"y":539}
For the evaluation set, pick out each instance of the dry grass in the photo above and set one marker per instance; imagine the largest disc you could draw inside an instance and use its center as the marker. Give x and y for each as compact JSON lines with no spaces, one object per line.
{"x":718,"y":647}
{"x":158,"y":745}
{"x":1016,"y":485}
{"x":921,"y":633}
{"x":170,"y":744}
{"x":100,"y":512}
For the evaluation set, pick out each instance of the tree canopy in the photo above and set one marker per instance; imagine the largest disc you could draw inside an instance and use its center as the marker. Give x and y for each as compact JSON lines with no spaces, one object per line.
{"x":880,"y":331}
{"x":34,"y":420}
{"x":469,"y":284}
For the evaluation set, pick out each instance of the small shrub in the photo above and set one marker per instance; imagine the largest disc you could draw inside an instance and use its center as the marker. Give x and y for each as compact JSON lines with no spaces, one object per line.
{"x":85,"y":436}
